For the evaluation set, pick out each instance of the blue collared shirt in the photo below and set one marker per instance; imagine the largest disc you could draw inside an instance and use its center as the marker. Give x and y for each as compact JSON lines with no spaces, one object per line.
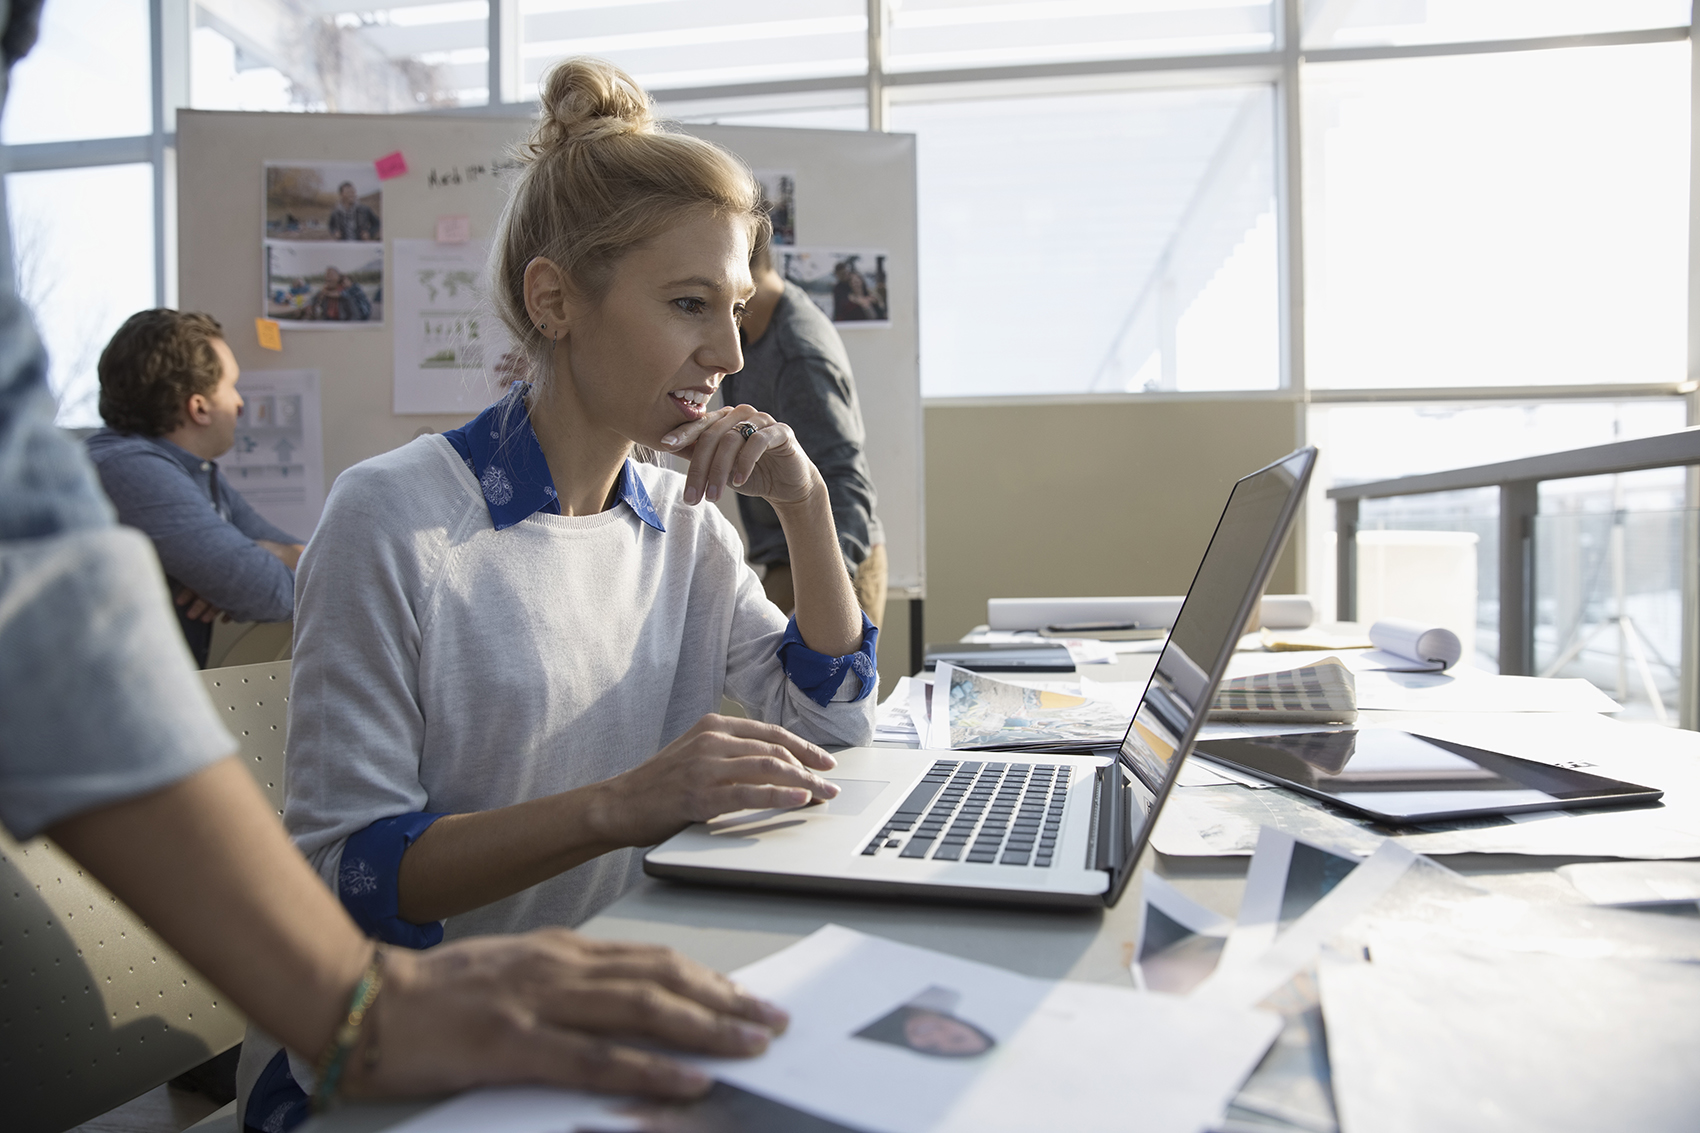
{"x":502,"y":452}
{"x":500,"y":447}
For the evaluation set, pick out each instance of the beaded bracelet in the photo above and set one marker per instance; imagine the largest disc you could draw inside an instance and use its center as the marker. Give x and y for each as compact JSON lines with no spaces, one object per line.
{"x":335,"y":1060}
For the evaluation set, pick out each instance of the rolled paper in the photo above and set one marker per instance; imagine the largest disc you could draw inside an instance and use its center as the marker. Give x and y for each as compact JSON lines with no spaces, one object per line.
{"x":1430,"y":645}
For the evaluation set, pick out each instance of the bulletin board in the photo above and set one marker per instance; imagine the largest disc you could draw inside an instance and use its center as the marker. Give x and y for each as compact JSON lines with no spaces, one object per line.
{"x":853,"y":190}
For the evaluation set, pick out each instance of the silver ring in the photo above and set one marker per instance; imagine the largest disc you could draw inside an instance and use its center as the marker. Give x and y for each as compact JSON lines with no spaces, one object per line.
{"x":745,"y":429}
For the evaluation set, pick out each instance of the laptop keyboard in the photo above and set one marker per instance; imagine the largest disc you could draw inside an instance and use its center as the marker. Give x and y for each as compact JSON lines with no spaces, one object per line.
{"x":1003,"y":813}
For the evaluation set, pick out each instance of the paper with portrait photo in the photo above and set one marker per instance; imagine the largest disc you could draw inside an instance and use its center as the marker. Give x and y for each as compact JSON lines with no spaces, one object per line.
{"x":849,"y":284}
{"x":448,"y":340}
{"x":277,"y":461}
{"x":953,"y":1045}
{"x":984,"y":1049}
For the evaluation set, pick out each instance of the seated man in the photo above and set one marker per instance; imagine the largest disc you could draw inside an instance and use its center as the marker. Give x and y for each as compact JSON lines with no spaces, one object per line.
{"x":168,"y":396}
{"x":795,"y":369}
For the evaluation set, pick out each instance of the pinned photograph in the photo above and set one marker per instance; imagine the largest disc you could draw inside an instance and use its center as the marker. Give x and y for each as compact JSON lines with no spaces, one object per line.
{"x":848,"y":284}
{"x":928,"y":1024}
{"x":779,"y":193}
{"x":332,"y":200}
{"x":324,"y":284}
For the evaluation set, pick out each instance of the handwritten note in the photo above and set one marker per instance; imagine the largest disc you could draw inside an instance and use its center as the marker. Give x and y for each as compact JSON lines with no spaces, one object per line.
{"x":390,"y":165}
{"x":454,"y":229}
{"x":269,"y":333}
{"x":468,"y":173}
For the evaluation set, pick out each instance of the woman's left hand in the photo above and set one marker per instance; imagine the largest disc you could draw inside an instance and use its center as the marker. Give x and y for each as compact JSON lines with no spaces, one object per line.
{"x":743,"y":447}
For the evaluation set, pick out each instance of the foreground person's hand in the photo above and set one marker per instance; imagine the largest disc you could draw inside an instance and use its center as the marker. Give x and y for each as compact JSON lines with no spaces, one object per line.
{"x":722,"y":764}
{"x":554,"y":1008}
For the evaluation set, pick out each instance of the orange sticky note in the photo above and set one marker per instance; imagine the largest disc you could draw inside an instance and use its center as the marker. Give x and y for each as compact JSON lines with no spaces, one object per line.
{"x":270,"y":333}
{"x":454,"y":229}
{"x":390,"y":165}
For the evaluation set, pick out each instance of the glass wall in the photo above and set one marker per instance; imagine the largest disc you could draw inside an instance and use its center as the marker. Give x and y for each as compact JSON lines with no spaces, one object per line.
{"x":1504,"y":219}
{"x":1117,"y":241}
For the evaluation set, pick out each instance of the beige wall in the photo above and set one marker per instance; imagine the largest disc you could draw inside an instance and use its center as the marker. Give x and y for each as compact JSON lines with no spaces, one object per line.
{"x":1080,"y":499}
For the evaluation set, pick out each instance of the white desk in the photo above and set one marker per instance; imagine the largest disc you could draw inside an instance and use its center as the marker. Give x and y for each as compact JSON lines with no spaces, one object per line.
{"x":727,"y":928}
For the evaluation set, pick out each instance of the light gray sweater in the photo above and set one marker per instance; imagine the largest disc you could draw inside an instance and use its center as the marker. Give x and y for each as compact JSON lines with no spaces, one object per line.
{"x":443,"y":666}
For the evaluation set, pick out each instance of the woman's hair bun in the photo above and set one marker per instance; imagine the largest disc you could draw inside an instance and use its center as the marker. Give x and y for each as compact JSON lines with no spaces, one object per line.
{"x":586,"y":99}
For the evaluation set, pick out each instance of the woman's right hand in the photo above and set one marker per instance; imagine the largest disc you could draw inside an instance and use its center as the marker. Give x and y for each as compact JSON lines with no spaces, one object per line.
{"x":723,"y":764}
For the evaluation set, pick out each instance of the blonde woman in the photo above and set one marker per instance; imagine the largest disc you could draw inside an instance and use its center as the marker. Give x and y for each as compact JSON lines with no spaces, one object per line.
{"x":511,"y":639}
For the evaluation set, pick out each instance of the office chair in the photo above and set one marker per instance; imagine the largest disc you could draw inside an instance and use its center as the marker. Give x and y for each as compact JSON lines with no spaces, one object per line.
{"x":94,"y":1008}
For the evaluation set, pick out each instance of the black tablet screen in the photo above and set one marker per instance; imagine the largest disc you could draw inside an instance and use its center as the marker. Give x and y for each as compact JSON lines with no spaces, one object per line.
{"x":1408,"y":778}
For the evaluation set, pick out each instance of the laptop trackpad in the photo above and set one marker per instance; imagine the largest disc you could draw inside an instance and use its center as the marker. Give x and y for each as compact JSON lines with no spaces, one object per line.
{"x":854,"y":795}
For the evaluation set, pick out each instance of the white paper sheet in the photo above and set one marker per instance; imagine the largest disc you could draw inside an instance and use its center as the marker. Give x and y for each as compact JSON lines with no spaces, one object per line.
{"x":1461,"y":690}
{"x":1247,"y":981}
{"x":1286,"y":879}
{"x":1636,"y":883}
{"x":893,"y":721}
{"x":1472,"y":1039}
{"x":448,"y":341}
{"x":278,"y":460}
{"x":1068,"y":1056}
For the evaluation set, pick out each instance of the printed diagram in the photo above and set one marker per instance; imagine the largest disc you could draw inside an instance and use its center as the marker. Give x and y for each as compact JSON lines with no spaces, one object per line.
{"x":448,"y":341}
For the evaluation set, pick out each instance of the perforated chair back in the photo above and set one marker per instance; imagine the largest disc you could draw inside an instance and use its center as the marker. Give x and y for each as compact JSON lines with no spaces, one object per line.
{"x":94,"y":1008}
{"x":254,"y":702}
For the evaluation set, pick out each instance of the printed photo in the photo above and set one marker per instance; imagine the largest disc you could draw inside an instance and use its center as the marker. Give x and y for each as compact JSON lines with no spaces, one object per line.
{"x":333,"y":200}
{"x":928,"y":1024}
{"x":328,"y":284}
{"x":848,"y":284}
{"x":779,"y":190}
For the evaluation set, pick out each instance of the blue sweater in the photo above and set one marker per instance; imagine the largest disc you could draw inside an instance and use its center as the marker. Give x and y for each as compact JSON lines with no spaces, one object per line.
{"x":203,"y":529}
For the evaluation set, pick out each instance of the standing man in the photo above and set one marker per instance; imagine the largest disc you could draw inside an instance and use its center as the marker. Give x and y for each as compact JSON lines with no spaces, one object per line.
{"x":168,"y":396}
{"x":351,"y":220}
{"x":795,"y":368}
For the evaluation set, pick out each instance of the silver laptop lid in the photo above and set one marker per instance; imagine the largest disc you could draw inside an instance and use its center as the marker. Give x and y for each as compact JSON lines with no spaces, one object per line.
{"x":1229,"y":582}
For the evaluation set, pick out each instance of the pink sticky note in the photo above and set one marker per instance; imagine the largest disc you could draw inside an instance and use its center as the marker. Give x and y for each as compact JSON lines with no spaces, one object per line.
{"x":454,"y":229}
{"x":390,"y":165}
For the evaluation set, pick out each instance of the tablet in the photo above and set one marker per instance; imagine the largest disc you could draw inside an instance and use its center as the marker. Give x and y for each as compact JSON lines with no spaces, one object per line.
{"x":1403,"y":778}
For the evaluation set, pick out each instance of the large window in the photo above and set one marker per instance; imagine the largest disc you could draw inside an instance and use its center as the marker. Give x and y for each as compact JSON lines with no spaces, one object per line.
{"x":1114,"y":241}
{"x":1493,"y":220}
{"x":1318,"y":199}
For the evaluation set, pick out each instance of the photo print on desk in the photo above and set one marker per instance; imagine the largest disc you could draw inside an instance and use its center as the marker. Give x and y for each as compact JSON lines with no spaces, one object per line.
{"x":779,"y":194}
{"x":849,"y":284}
{"x":323,"y":239}
{"x":928,"y":1024}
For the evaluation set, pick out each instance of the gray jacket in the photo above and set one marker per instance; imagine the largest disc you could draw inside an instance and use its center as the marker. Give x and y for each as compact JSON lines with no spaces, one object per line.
{"x":798,"y":372}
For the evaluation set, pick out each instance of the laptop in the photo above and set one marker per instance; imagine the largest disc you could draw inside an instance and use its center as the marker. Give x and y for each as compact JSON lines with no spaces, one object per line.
{"x":1037,"y":828}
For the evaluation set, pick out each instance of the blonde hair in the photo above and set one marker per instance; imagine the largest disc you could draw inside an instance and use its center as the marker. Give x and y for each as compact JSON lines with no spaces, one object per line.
{"x":598,"y":177}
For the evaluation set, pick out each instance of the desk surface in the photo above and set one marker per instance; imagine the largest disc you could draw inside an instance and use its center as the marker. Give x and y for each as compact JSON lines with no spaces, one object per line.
{"x":728,"y":928}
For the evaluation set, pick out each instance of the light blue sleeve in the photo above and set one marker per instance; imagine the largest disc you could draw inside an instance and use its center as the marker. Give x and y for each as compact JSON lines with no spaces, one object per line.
{"x":99,"y":696}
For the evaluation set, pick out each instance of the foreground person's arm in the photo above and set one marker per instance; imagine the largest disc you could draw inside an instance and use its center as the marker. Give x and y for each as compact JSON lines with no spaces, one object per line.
{"x":207,"y":865}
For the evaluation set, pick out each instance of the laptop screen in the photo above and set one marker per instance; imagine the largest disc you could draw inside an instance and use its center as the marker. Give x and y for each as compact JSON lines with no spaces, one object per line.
{"x":1220,"y":601}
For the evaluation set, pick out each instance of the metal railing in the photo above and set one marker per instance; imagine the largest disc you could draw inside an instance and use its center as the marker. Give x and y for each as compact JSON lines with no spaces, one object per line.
{"x":1519,"y":482}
